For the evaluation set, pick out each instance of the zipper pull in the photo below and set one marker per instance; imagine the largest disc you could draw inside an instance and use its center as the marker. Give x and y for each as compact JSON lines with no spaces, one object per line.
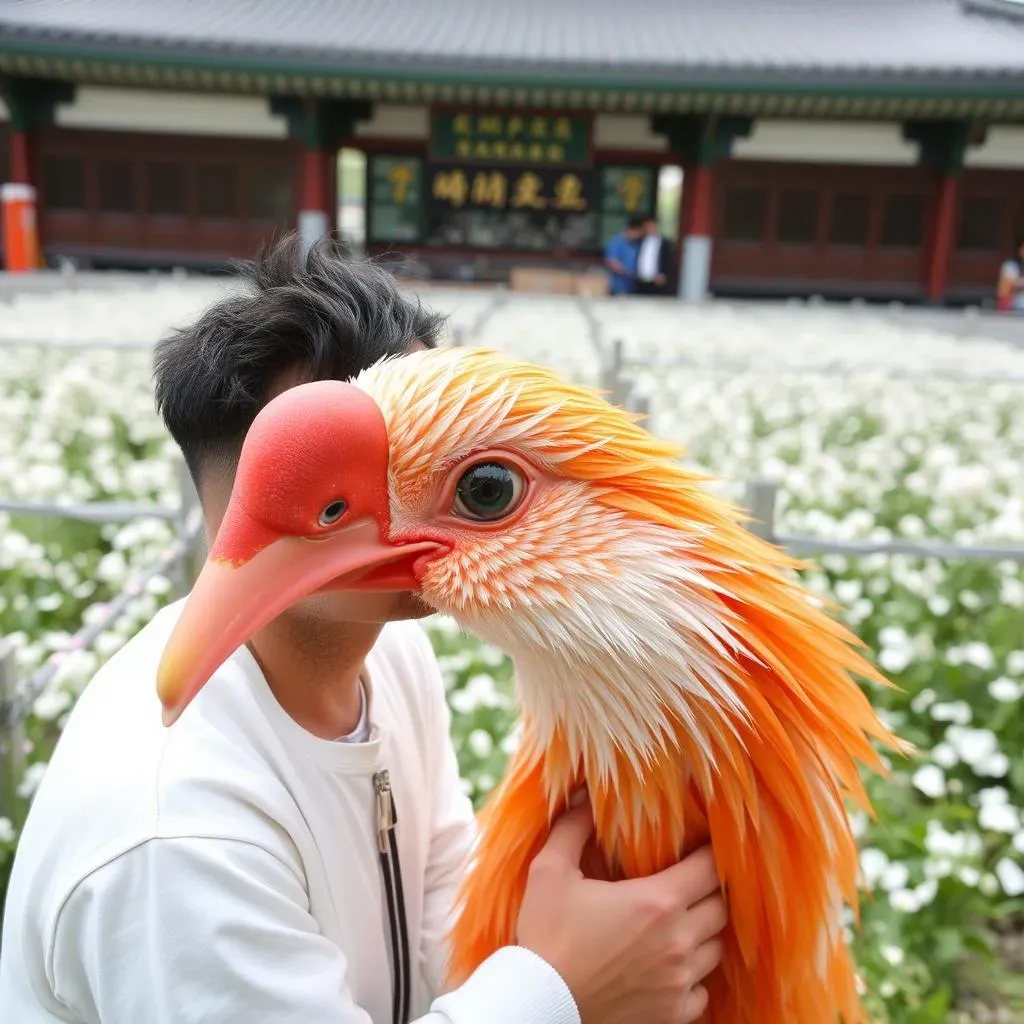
{"x":385,"y":808}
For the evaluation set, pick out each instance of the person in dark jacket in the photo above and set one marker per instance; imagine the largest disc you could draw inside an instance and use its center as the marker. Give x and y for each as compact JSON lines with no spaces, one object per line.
{"x":655,"y":266}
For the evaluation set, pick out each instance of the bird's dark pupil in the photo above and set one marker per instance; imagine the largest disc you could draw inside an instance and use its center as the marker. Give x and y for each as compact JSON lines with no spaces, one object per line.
{"x":487,"y":488}
{"x":333,"y":512}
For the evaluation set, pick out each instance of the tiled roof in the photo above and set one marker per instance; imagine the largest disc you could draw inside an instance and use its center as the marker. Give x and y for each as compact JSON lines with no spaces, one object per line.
{"x":669,"y":42}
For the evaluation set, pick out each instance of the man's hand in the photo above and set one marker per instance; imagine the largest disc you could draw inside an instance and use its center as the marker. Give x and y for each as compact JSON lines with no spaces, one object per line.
{"x":630,"y":952}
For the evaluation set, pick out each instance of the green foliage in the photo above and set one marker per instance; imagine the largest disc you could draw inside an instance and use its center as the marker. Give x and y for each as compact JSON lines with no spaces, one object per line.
{"x":940,"y":933}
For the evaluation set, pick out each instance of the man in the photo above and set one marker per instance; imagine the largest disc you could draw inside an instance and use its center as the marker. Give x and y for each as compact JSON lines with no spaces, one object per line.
{"x":654,"y":265}
{"x":226,"y":870}
{"x":620,"y":257}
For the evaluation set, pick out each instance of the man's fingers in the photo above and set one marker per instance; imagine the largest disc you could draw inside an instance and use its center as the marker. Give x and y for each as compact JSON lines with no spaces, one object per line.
{"x":695,"y":1002}
{"x":707,"y":918}
{"x":568,"y":837}
{"x":694,"y":877}
{"x":704,"y":960}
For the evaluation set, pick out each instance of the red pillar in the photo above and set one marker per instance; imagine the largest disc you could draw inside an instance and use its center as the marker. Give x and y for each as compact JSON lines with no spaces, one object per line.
{"x":316,"y":216}
{"x":315,"y":194}
{"x":695,"y":232}
{"x":22,"y":167}
{"x":696,"y":212}
{"x":941,"y":237}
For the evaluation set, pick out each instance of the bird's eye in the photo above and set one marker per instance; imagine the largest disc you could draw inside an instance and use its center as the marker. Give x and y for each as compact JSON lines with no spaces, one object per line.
{"x":333,"y":512}
{"x":488,"y":491}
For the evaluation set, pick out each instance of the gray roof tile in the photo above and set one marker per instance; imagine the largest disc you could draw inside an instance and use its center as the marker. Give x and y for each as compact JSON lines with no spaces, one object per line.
{"x":646,"y":39}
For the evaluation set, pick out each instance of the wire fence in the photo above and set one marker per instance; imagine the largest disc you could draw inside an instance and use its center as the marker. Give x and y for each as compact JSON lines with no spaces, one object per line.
{"x":180,"y":561}
{"x":183,"y":558}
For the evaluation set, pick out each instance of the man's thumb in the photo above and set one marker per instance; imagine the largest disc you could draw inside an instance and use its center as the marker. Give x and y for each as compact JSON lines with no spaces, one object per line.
{"x":569,"y":836}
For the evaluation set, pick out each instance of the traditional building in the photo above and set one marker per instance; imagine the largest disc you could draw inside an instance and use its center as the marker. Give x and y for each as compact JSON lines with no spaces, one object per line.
{"x":842,"y":147}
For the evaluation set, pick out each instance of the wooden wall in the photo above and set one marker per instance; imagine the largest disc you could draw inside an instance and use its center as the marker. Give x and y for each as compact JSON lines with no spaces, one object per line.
{"x":842,"y":229}
{"x":125,"y":197}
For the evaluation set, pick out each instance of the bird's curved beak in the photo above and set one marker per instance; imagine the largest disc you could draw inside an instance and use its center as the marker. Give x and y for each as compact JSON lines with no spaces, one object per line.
{"x":232,"y":600}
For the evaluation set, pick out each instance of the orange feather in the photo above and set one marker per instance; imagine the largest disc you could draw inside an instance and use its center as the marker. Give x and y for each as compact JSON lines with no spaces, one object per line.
{"x":765,"y":777}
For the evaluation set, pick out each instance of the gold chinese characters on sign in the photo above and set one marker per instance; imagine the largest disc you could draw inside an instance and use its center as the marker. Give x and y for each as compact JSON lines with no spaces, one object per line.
{"x":524,"y":190}
{"x":512,"y":138}
{"x":401,"y":176}
{"x":633,"y":190}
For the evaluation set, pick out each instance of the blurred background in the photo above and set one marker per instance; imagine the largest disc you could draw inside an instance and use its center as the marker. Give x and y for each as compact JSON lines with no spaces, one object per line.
{"x":814,"y":211}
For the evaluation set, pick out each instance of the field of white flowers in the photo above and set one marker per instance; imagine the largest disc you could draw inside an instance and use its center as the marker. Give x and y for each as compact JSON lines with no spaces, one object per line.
{"x":872,"y":428}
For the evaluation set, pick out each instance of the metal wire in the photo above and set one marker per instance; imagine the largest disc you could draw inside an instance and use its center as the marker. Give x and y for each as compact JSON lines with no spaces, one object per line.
{"x":89,"y":512}
{"x":17,"y":707}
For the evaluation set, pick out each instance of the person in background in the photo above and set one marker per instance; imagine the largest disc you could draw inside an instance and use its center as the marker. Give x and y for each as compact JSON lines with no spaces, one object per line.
{"x":655,"y":267}
{"x":1010,"y":290}
{"x":621,"y":255}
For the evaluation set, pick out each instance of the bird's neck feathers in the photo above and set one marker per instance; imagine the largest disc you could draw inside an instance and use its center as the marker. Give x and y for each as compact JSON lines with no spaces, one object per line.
{"x":699,"y":650}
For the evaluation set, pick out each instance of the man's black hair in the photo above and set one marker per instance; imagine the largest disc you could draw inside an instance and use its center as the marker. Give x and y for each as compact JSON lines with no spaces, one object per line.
{"x":317,"y":315}
{"x":636,"y":221}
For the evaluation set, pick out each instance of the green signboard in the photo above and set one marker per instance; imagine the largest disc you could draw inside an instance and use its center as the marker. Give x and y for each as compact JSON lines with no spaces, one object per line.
{"x":395,"y":198}
{"x":625,"y":192}
{"x":538,"y":139}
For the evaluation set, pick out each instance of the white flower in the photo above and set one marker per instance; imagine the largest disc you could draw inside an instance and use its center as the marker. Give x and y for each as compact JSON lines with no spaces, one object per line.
{"x":6,"y":830}
{"x":943,"y":754}
{"x":480,"y":742}
{"x":955,"y":711}
{"x":895,"y":876}
{"x":989,"y":884}
{"x":31,"y":779}
{"x":922,"y":701}
{"x":968,"y":875}
{"x":1015,"y":663}
{"x":973,"y":746}
{"x":1011,"y":877}
{"x":893,"y":954}
{"x":905,"y":900}
{"x":999,"y":818}
{"x":930,"y":780}
{"x":1005,"y":689}
{"x":51,"y":703}
{"x":994,"y":766}
{"x":873,"y":864}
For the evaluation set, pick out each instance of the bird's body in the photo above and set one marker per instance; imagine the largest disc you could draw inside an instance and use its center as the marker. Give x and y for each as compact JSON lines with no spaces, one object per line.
{"x":665,"y":657}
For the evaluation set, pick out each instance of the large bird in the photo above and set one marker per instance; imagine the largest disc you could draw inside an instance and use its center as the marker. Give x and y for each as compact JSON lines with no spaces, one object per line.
{"x":665,"y":658}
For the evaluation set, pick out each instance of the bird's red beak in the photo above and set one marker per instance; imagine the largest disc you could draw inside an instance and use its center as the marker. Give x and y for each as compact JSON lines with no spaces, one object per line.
{"x":255,"y":571}
{"x":229,"y":603}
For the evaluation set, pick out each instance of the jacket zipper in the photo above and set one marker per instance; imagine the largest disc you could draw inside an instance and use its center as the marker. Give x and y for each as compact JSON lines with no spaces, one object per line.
{"x":391,"y":868}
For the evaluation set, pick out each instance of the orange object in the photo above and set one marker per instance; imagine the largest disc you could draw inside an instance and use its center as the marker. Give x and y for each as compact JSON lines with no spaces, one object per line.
{"x":666,"y":658}
{"x":20,"y":235}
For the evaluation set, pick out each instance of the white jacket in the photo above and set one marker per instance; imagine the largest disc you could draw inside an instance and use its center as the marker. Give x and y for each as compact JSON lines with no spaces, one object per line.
{"x":229,"y":869}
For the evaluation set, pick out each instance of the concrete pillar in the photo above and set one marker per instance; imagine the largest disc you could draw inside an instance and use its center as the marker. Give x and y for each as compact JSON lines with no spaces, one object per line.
{"x":696,"y":233}
{"x":316,"y":219}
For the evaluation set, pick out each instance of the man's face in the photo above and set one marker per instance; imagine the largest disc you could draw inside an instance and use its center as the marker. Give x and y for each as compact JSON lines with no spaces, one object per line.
{"x":651,"y":227}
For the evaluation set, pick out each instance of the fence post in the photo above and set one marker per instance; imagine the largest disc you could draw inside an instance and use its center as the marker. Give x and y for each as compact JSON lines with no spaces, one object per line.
{"x":760,"y":502}
{"x":12,"y":735}
{"x":192,"y":561}
{"x":639,"y":403}
{"x":615,"y":388}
